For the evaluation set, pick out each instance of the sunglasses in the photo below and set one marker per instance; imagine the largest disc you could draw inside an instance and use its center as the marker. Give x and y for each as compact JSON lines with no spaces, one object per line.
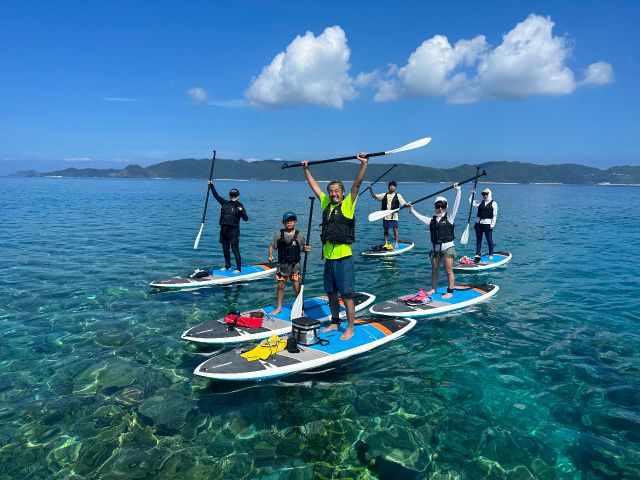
{"x":484,"y":194}
{"x":441,"y":205}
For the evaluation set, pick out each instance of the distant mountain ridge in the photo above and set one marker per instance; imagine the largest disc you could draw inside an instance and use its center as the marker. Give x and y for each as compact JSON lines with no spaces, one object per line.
{"x":499,"y":171}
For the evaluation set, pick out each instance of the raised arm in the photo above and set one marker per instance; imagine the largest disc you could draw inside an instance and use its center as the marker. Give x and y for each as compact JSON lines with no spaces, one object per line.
{"x":419,"y":216}
{"x":220,"y":200}
{"x":456,"y":203}
{"x":364,"y":161}
{"x":473,"y":202}
{"x":312,"y":181}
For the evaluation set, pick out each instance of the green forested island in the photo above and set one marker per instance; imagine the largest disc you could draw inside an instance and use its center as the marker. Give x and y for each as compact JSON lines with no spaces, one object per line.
{"x":507,"y":172}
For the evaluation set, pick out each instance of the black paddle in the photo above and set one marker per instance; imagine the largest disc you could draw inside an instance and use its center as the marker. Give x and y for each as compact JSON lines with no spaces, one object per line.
{"x":409,"y":146}
{"x":296,"y":310}
{"x":383,"y":213}
{"x":206,"y":202}
{"x":378,"y":179}
{"x":465,"y":235}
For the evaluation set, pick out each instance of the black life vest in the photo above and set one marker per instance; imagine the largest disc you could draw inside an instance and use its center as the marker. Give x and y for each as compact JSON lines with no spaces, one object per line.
{"x":442,"y":231}
{"x":289,"y":251}
{"x":230,"y":214}
{"x":485,"y":210}
{"x":336,"y":228}
{"x":395,"y":203}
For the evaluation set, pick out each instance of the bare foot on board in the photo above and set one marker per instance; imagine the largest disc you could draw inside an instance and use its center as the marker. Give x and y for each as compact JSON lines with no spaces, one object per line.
{"x":348,"y":333}
{"x":331,"y":328}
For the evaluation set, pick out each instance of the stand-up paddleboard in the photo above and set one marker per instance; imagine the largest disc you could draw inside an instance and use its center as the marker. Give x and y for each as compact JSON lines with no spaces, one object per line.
{"x":368,"y":334}
{"x":463,"y":296}
{"x":205,"y":277}
{"x":218,"y":332}
{"x":499,"y":259}
{"x":378,"y":251}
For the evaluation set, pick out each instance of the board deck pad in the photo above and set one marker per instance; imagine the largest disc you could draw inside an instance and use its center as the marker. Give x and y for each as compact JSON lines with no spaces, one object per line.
{"x":217,"y":332}
{"x":463,"y":296}
{"x":216,"y":277}
{"x":403,"y":247}
{"x":499,"y":259}
{"x":368,"y":334}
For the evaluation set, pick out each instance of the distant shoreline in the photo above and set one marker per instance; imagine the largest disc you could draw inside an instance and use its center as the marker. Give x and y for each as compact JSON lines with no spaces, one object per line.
{"x":58,"y":177}
{"x":498,"y":172}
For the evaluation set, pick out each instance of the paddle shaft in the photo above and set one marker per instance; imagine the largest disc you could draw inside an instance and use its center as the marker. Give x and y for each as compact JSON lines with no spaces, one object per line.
{"x":473,"y":194}
{"x":378,"y":179}
{"x":206,"y":201}
{"x":331,"y":160}
{"x":475,"y":177}
{"x":306,"y":254}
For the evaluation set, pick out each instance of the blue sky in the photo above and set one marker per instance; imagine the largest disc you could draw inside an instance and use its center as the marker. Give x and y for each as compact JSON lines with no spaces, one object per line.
{"x":112,"y":83}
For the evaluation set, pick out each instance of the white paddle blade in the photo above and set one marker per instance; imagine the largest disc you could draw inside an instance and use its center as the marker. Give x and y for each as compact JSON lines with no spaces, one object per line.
{"x":410,"y":146}
{"x":465,"y":236}
{"x":197,"y":242}
{"x":296,"y":310}
{"x":380,"y":214}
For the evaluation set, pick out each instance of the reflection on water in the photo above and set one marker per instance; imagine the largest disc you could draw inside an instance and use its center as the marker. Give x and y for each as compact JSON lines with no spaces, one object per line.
{"x":540,"y":382}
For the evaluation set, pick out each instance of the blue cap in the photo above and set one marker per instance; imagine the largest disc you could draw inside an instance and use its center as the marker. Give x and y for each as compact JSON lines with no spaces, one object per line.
{"x":288,"y":215}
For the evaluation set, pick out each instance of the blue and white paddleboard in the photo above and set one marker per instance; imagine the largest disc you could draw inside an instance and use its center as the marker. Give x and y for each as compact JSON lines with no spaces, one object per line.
{"x":377,"y":251}
{"x":369,"y":334}
{"x":206,"y":277}
{"x":499,"y":259}
{"x":218,"y":332}
{"x":463,"y":296}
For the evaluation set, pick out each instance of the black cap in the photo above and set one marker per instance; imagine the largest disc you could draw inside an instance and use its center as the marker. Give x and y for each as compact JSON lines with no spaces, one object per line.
{"x":234,"y":192}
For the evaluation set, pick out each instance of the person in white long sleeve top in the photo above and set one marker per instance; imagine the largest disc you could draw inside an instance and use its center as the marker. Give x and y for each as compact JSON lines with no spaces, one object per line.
{"x":485,"y":222}
{"x":442,"y":236}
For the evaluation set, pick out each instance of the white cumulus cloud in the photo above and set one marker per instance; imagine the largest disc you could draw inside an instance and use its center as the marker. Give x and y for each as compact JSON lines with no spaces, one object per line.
{"x":198,"y":95}
{"x":311,"y":71}
{"x":598,"y":73}
{"x":529,"y":61}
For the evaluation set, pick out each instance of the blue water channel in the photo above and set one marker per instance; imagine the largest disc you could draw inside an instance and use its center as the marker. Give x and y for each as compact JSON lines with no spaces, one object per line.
{"x":542,"y":381}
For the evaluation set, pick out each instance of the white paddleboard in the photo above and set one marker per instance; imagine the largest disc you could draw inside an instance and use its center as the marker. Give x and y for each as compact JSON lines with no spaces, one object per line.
{"x":218,"y":332}
{"x":403,"y":247}
{"x":485,"y":263}
{"x":463,"y":296}
{"x":206,"y":277}
{"x":369,"y":334}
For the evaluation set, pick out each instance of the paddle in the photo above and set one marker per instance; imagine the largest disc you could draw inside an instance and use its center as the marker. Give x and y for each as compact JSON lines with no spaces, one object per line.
{"x":377,"y":179}
{"x":296,"y":310}
{"x":383,"y":213}
{"x":206,"y":202}
{"x":409,"y":146}
{"x":465,"y":235}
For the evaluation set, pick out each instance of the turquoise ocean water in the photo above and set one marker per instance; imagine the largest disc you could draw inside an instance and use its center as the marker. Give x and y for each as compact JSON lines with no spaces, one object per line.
{"x":542,"y":381}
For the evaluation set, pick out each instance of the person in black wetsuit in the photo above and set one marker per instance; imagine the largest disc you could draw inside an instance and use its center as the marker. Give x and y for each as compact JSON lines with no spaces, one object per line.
{"x":230,"y":214}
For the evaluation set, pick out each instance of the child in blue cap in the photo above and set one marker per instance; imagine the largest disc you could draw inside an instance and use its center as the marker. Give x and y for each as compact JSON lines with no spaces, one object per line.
{"x":289,"y":243}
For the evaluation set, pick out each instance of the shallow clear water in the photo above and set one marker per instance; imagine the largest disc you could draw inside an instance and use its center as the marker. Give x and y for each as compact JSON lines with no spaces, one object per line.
{"x":542,"y":381}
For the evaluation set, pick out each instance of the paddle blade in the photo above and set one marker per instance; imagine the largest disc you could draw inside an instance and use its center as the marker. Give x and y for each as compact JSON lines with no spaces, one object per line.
{"x":296,"y":310}
{"x":380,"y":214}
{"x":465,"y":236}
{"x":410,"y":146}
{"x":197,"y":242}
